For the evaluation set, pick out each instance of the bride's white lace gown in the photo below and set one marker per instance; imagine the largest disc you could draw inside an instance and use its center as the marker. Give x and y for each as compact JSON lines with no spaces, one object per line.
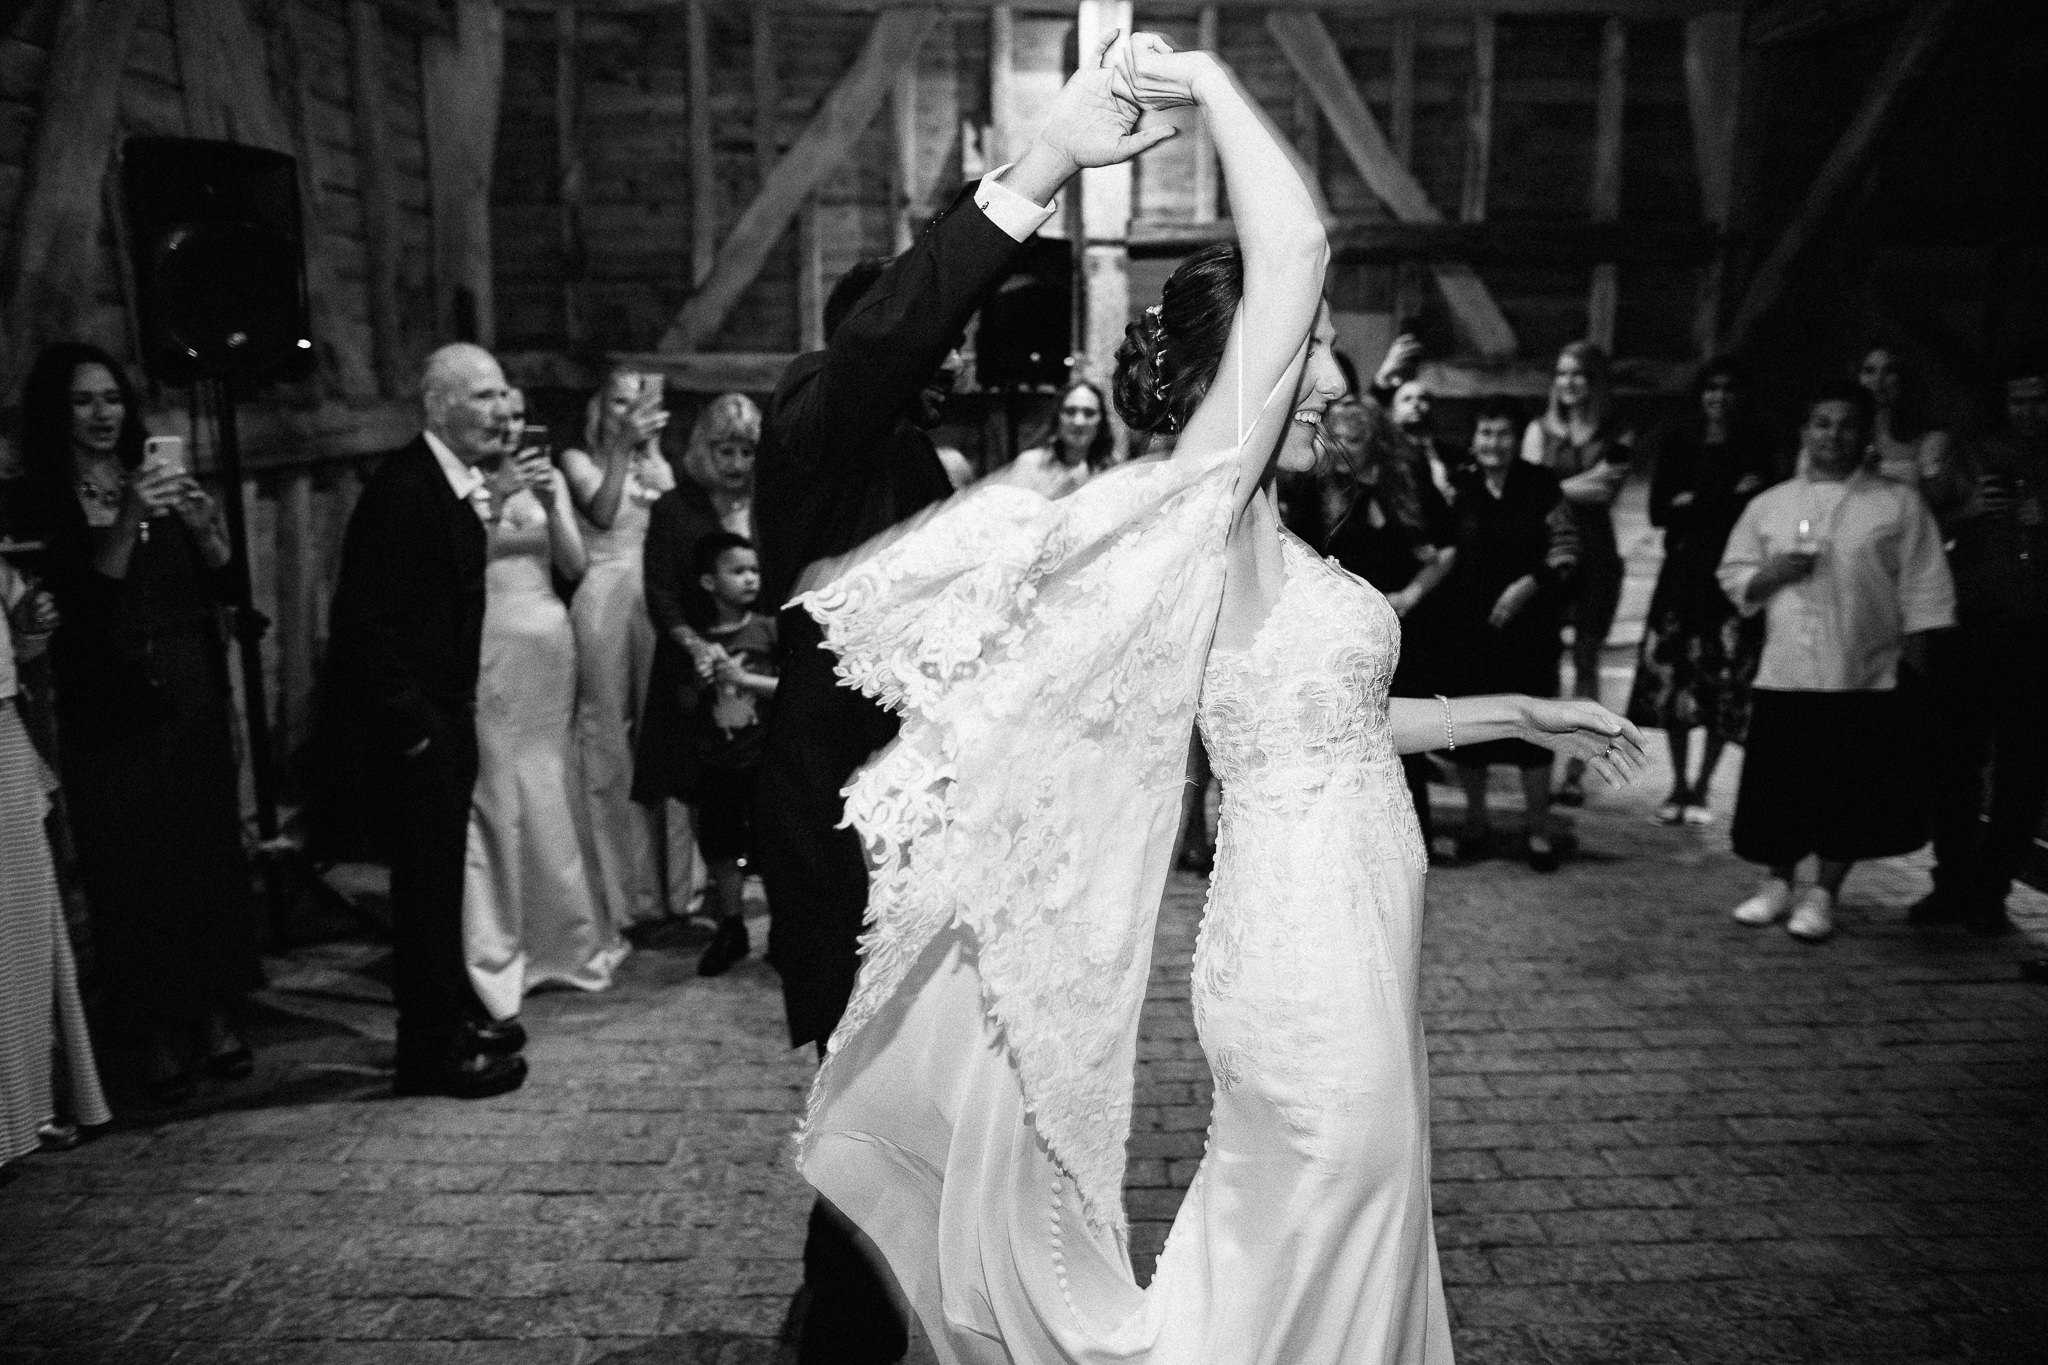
{"x":972,"y":1118}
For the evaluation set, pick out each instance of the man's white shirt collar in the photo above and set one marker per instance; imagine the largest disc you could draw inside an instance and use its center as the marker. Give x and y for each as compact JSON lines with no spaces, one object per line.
{"x":465,"y":481}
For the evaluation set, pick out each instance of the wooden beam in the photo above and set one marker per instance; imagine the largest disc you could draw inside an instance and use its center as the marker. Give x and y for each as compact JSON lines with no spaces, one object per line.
{"x":1002,"y":68}
{"x":1478,"y":123}
{"x":370,"y":94}
{"x":1376,"y":241}
{"x":810,"y":277}
{"x":1313,"y":54}
{"x":46,"y":285}
{"x":1106,"y":200}
{"x":1918,"y":43}
{"x":1401,"y":104}
{"x":461,"y":76}
{"x":767,"y":82}
{"x":570,"y":178}
{"x":300,"y":587}
{"x":1434,"y":9}
{"x":350,"y":367}
{"x":703,"y":169}
{"x":825,"y":143}
{"x":902,"y":152}
{"x":1713,"y":90}
{"x":1603,"y":299}
{"x":1788,"y":21}
{"x":1206,"y":171}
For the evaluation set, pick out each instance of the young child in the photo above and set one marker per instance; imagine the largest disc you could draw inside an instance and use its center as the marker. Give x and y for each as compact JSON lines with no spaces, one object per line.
{"x":730,"y":720}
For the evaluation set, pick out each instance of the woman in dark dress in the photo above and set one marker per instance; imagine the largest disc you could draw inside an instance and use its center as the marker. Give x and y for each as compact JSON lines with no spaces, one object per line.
{"x":1375,"y":511}
{"x":716,"y":493}
{"x":1699,"y":653}
{"x":1499,"y":612}
{"x":144,"y":718}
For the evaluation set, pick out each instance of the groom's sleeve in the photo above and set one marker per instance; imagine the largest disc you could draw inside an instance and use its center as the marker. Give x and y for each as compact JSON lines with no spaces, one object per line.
{"x":898,"y":335}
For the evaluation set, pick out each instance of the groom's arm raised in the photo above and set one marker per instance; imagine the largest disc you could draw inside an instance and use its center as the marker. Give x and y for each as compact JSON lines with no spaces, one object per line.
{"x":898,"y":335}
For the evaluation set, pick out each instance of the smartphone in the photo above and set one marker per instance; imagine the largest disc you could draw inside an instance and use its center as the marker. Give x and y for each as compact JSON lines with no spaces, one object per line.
{"x":535,"y":437}
{"x":652,"y":386}
{"x":164,"y":452}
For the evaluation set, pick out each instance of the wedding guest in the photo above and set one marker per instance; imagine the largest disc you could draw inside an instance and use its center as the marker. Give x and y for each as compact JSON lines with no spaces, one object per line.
{"x":1081,"y":445}
{"x":1902,"y":445}
{"x":405,"y":646}
{"x":1498,"y":609}
{"x":40,"y":1010}
{"x":1846,"y":568}
{"x":1581,"y":440}
{"x":1992,"y":670}
{"x":1698,"y":653}
{"x":715,"y":494}
{"x":614,"y":478}
{"x":529,"y":915}
{"x":726,"y":730}
{"x":145,"y":722}
{"x":1377,"y":514}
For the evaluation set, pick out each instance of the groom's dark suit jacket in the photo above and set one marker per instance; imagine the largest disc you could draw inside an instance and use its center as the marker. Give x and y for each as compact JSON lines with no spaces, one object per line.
{"x":839,"y":461}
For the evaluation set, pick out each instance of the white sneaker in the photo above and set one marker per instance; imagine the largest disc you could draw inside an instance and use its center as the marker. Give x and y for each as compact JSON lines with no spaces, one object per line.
{"x":1813,"y":920}
{"x":1767,"y":906}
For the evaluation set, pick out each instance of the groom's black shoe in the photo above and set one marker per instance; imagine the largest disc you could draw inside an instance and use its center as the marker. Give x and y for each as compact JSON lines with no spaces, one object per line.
{"x":475,"y":1077}
{"x":498,"y":1037}
{"x":727,"y":947}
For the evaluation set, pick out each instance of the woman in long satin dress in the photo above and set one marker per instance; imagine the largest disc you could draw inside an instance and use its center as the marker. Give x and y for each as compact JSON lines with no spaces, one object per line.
{"x":615,"y":478}
{"x":528,"y":915}
{"x":1047,"y":658}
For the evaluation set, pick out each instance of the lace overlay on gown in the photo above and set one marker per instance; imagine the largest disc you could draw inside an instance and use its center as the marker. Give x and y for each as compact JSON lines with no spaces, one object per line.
{"x":972,"y":1116}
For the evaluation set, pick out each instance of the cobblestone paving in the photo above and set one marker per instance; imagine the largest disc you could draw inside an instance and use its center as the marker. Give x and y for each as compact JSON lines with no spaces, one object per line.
{"x":1659,"y":1137}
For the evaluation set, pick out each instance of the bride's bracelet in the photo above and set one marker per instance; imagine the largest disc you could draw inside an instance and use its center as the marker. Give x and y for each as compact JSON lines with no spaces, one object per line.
{"x":1450,"y":730}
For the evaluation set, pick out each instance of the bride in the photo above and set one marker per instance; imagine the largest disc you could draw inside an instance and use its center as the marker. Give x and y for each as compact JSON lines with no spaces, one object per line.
{"x":1048,"y":660}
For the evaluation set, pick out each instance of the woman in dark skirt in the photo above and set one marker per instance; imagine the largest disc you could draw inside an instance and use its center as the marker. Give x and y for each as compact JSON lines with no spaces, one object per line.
{"x":144,"y":717}
{"x":1698,"y":653}
{"x":1499,"y":614}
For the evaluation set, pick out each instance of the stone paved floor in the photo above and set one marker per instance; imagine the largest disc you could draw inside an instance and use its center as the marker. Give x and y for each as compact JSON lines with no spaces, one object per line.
{"x":1659,"y":1137}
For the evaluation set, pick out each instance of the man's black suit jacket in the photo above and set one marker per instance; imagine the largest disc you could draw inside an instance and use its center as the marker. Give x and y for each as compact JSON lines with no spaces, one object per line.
{"x":839,"y":462}
{"x":405,"y":634}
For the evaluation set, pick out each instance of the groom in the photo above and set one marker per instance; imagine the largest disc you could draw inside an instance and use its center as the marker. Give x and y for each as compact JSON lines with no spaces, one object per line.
{"x":844,"y":455}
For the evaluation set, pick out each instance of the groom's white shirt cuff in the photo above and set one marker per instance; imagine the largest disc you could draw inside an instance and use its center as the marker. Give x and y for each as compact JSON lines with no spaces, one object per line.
{"x":1007,"y":209}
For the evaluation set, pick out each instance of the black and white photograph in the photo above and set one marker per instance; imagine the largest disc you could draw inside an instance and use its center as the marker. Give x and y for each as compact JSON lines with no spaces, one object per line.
{"x":839,"y":682}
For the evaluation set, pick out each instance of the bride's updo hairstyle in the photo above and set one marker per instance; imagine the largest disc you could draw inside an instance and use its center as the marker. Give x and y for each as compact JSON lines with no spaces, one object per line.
{"x":1169,"y":356}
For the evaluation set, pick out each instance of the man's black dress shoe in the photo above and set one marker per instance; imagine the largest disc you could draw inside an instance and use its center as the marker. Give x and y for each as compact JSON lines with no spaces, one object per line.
{"x":1935,"y":909}
{"x":472,"y":1078}
{"x":727,"y":946}
{"x":498,"y":1037}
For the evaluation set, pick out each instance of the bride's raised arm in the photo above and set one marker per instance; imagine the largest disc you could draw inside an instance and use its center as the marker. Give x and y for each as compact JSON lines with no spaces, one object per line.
{"x":1285,"y":248}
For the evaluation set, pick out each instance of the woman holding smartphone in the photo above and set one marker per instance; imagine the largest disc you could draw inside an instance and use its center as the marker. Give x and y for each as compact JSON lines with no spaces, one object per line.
{"x":613,"y":480}
{"x":144,"y":718}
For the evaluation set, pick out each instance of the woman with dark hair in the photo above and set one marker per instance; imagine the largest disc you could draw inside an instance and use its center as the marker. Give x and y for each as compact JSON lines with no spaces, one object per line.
{"x":1580,"y":440}
{"x":1902,"y":446}
{"x":1498,"y":612}
{"x":146,"y":743}
{"x":1081,"y":446}
{"x":1049,"y":659}
{"x":716,"y":493}
{"x":1699,"y":653}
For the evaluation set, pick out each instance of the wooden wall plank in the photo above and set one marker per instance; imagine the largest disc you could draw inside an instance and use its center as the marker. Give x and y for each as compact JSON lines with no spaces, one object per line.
{"x":570,"y":182}
{"x":1401,"y":97}
{"x":1479,"y":123}
{"x":462,"y":80}
{"x":1603,"y":299}
{"x":380,"y":211}
{"x":703,"y":171}
{"x":1913,"y":52}
{"x":1312,"y":53}
{"x":825,"y":142}
{"x":57,"y":225}
{"x":1207,"y":174}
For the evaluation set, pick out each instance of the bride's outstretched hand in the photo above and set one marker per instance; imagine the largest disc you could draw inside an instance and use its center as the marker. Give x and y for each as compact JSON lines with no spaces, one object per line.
{"x":1609,"y":745}
{"x":1153,"y":76}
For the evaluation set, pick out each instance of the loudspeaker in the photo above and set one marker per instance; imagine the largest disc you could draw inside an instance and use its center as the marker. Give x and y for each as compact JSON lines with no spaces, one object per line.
{"x":1024,"y":338}
{"x":220,"y":261}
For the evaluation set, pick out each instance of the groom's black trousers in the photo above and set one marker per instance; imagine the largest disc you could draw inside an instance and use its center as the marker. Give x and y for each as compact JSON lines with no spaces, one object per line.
{"x":817,"y":883}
